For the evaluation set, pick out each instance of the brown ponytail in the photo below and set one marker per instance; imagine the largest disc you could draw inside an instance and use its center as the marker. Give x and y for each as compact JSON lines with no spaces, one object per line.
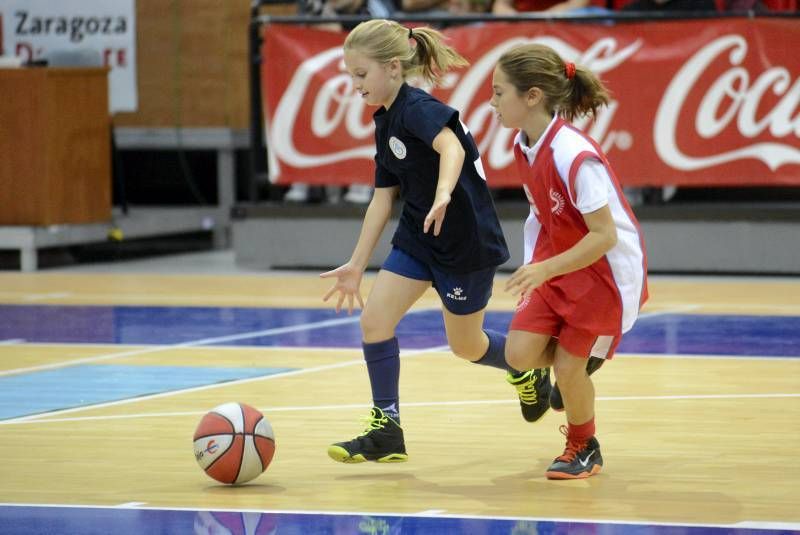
{"x":570,"y":90}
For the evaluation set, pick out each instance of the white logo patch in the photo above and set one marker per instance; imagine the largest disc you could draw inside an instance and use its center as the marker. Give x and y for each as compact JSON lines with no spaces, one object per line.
{"x":558,"y":202}
{"x":456,"y":295}
{"x":524,"y":302}
{"x":398,"y":148}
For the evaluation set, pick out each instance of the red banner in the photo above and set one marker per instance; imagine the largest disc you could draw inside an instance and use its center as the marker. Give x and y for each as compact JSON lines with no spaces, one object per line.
{"x":709,"y":102}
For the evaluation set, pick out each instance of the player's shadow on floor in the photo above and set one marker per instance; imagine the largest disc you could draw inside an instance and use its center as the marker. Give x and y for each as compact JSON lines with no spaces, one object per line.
{"x":383,"y":476}
{"x":251,"y":487}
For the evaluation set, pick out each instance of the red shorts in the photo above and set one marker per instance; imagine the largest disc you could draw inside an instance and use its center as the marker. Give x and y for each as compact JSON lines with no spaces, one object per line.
{"x":535,"y":315}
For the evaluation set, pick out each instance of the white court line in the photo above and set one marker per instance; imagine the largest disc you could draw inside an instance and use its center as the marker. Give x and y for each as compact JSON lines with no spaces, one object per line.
{"x":412,"y":353}
{"x":687,"y":356}
{"x":643,"y":522}
{"x":206,"y":341}
{"x":42,"y":297}
{"x":78,"y":345}
{"x":328,"y":349}
{"x":176,"y":298}
{"x":339,"y":350}
{"x":229,"y":300}
{"x":130,"y":505}
{"x":318,"y":408}
{"x":12,"y":341}
{"x":678,"y":309}
{"x":27,"y":296}
{"x":179,"y":300}
{"x":195,"y":343}
{"x":760,"y":524}
{"x":202,"y":342}
{"x":734,"y":306}
{"x":157,"y":347}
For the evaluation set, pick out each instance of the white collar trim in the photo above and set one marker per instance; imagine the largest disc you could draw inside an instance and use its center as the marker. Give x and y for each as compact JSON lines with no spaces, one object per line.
{"x":530,"y":152}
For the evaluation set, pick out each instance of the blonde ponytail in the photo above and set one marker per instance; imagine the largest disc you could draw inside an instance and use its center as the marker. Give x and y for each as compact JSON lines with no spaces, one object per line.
{"x":384,"y":40}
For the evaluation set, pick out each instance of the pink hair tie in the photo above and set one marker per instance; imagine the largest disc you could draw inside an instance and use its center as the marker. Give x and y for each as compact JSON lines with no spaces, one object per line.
{"x":569,"y":70}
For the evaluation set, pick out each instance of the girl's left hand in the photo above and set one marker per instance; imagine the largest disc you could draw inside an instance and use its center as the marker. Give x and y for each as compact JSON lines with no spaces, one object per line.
{"x":526,"y":279}
{"x":348,"y":285}
{"x":436,"y":215}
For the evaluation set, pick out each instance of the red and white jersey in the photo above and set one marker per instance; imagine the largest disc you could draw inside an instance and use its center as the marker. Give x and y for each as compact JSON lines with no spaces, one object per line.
{"x":564,"y":175}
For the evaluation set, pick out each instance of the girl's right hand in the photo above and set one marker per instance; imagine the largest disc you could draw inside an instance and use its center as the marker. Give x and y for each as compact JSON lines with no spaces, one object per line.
{"x":436,"y":216}
{"x":348,"y":284}
{"x":526,"y":279}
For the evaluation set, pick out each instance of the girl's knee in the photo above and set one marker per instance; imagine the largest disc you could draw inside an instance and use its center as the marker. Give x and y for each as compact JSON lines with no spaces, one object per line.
{"x":517,"y":361}
{"x":525,"y":352}
{"x":467,"y":348}
{"x":517,"y":355}
{"x":374,"y":327}
{"x":568,"y":369}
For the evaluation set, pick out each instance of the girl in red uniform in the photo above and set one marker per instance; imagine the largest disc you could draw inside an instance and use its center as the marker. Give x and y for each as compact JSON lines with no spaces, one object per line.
{"x":585,"y":279}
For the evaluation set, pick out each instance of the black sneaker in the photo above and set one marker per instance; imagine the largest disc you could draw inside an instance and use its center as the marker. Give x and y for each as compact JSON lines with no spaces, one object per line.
{"x":556,"y":403}
{"x":533,"y":388}
{"x":579,"y":460}
{"x":382,"y":441}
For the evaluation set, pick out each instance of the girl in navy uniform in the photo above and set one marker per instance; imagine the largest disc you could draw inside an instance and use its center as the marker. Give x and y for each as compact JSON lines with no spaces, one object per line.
{"x":448,"y":236}
{"x":586,"y":273}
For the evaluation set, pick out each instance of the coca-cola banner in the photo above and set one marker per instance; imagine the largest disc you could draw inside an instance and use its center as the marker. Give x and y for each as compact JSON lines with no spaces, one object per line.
{"x":707,"y":102}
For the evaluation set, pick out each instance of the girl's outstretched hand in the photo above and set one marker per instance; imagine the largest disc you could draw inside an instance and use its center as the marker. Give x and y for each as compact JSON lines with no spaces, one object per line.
{"x":348,"y":284}
{"x":436,"y":216}
{"x":526,"y":279}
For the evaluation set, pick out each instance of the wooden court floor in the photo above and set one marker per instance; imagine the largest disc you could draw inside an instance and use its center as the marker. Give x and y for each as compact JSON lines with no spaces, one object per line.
{"x":689,"y":437}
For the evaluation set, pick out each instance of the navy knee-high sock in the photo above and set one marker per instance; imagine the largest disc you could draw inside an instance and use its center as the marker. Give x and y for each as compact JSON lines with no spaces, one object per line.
{"x":496,"y":352}
{"x":383,"y":366}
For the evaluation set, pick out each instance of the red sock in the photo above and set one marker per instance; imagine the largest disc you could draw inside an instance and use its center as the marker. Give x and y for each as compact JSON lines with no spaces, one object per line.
{"x":582,"y":432}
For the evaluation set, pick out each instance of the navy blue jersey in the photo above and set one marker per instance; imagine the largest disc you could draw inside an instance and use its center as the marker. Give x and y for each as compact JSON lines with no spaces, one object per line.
{"x":471,"y":238}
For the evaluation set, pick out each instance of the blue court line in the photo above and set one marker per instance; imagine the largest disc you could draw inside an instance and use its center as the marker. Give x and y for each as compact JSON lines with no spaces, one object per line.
{"x":684,"y":334}
{"x":78,"y":386}
{"x":95,"y":520}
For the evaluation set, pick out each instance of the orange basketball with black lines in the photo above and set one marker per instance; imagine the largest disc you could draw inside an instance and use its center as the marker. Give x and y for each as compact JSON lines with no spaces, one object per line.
{"x":234,"y":443}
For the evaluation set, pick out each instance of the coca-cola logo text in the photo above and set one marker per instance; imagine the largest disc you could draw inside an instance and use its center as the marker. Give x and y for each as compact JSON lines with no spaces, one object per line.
{"x":683,"y":101}
{"x":335,"y":104}
{"x":711,"y":118}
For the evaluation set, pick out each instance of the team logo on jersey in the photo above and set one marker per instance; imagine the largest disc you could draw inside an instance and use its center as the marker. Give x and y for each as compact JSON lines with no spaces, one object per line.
{"x":558,"y":202}
{"x":456,"y":295}
{"x":398,"y":148}
{"x":524,"y":301}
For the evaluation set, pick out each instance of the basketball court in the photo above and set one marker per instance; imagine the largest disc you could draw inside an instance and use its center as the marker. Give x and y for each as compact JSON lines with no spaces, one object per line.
{"x":104,"y":376}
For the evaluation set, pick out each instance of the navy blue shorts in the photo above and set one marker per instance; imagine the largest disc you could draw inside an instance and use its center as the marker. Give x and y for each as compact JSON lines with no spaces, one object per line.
{"x":461,"y":293}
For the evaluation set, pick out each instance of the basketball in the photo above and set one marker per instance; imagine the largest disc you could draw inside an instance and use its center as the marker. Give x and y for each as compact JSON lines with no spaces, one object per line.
{"x":234,"y":443}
